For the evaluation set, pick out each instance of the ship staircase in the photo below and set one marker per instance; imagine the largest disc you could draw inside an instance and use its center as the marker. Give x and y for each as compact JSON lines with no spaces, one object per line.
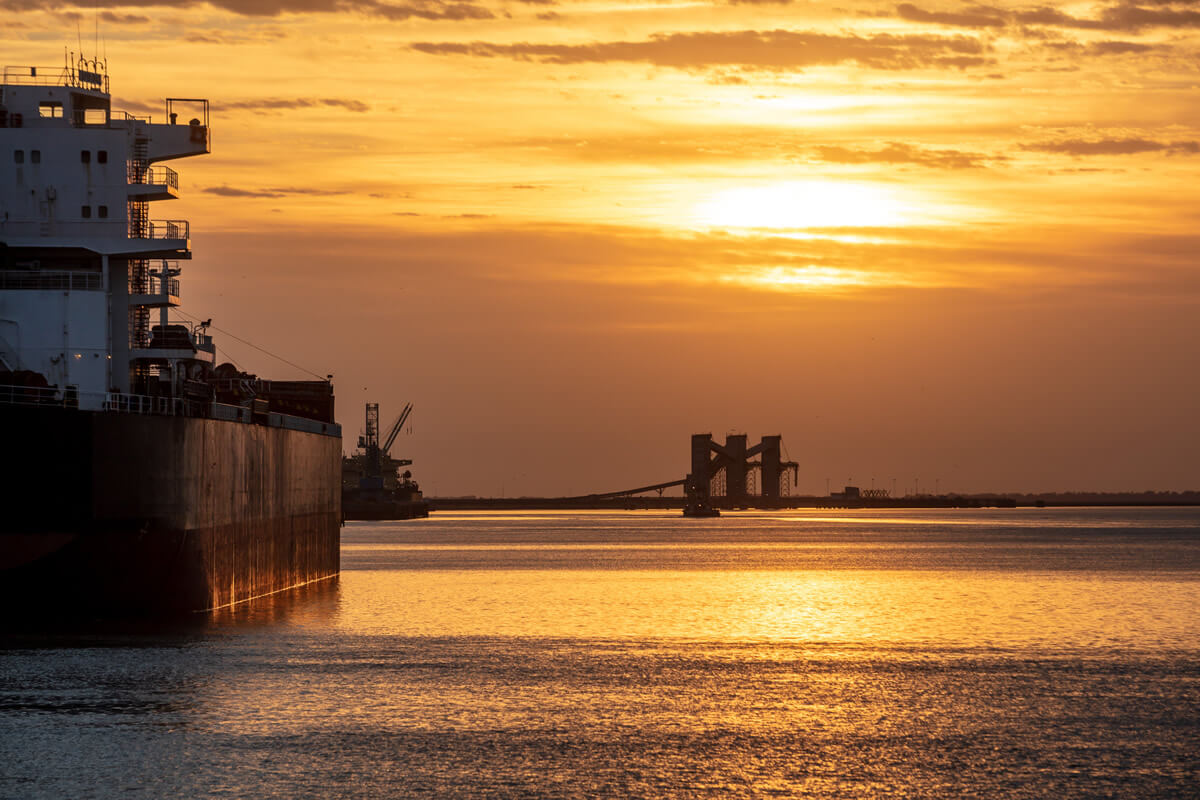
{"x":139,"y":268}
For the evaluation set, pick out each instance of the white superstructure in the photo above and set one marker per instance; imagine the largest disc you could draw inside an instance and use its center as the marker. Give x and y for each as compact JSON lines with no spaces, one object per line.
{"x":82,"y":264}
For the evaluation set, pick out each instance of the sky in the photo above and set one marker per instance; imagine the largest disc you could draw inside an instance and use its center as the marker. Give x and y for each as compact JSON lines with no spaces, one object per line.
{"x":950,"y":243}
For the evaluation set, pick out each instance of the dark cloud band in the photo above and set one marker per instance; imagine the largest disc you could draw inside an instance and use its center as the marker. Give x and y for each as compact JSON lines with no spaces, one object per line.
{"x":412,"y":9}
{"x":1126,"y":17}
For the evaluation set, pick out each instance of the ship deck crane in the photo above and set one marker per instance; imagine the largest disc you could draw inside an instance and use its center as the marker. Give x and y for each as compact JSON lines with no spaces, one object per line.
{"x":396,"y":427}
{"x":377,"y":457}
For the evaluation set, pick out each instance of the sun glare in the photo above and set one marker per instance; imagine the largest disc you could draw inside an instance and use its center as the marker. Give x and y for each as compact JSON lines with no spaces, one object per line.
{"x":810,"y":277}
{"x":804,"y":204}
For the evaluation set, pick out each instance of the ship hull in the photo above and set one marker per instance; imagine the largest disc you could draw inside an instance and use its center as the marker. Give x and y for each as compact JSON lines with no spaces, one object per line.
{"x":132,"y":515}
{"x":384,"y":509}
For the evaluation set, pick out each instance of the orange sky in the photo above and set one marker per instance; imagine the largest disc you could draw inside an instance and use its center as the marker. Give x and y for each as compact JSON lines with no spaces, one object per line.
{"x":935,"y":241}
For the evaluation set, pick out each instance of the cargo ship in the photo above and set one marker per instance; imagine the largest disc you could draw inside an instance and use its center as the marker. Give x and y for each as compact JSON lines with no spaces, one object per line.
{"x":373,"y":487}
{"x":141,"y":476}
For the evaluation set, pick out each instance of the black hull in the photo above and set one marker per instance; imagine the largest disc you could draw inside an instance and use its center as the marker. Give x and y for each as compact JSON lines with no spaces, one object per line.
{"x":132,"y":515}
{"x":417,"y":509}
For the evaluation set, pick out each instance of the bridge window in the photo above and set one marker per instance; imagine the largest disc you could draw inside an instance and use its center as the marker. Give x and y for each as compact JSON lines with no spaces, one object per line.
{"x":85,"y":156}
{"x":18,"y":156}
{"x":50,"y":109}
{"x":101,"y":156}
{"x":86,"y":211}
{"x":35,"y":156}
{"x":103,"y":211}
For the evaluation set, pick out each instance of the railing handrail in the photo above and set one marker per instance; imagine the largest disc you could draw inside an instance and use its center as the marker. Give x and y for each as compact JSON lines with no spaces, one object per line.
{"x":51,"y":279}
{"x":152,"y":175}
{"x":34,"y":75}
{"x":168,"y":229}
{"x":125,"y":115}
{"x":122,"y":402}
{"x":156,"y":285}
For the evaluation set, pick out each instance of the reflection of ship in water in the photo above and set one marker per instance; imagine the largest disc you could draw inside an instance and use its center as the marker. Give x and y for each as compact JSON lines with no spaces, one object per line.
{"x":372,"y":485}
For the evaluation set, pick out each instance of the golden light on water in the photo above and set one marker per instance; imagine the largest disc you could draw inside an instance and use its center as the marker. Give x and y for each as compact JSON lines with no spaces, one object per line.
{"x":806,"y":204}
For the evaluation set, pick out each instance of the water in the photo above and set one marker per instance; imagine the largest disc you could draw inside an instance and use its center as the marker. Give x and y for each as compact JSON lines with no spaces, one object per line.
{"x":1000,"y":654}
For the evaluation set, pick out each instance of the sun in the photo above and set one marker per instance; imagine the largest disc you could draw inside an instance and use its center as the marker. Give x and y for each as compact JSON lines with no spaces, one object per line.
{"x":805,"y":204}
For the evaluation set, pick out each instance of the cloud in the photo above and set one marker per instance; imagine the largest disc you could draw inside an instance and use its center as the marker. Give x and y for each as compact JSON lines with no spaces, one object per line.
{"x":279,"y":103}
{"x":230,"y":191}
{"x":1105,"y":48}
{"x":1119,"y":48}
{"x":281,"y":191}
{"x":139,"y":107}
{"x":1125,"y":17}
{"x":411,"y":9}
{"x":899,"y":153}
{"x":1132,"y":18}
{"x":686,"y":144}
{"x":124,"y":19}
{"x":1114,"y":147}
{"x":776,"y":50}
{"x":988,"y":18}
{"x":227,"y":37}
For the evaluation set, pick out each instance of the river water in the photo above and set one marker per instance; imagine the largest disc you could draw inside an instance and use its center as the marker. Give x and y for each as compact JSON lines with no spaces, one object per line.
{"x":984,"y":653}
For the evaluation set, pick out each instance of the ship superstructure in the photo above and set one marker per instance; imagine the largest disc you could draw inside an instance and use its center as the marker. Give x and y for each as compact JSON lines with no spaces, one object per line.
{"x":136,"y":453}
{"x":85,"y":269}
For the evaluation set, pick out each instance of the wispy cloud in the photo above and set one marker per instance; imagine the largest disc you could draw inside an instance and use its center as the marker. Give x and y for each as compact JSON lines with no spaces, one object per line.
{"x":984,"y":18}
{"x":1114,"y":147}
{"x":281,"y":191}
{"x":282,"y":103}
{"x":228,"y":37}
{"x":900,"y":153}
{"x":776,"y":50}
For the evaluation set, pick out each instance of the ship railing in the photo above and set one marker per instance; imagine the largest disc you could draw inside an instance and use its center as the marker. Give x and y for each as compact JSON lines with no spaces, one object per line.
{"x":126,"y":403}
{"x":168,"y":229}
{"x":154,"y":176}
{"x":156,"y":285}
{"x":55,"y":280}
{"x":38,"y":396}
{"x":127,"y":117}
{"x":145,"y":404}
{"x":77,"y":78}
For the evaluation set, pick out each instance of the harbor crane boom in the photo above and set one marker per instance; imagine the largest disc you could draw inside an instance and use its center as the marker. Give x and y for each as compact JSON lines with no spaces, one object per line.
{"x":396,"y":426}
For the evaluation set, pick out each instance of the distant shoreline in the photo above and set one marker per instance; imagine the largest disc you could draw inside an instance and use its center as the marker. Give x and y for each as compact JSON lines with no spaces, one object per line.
{"x":1188,"y":499}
